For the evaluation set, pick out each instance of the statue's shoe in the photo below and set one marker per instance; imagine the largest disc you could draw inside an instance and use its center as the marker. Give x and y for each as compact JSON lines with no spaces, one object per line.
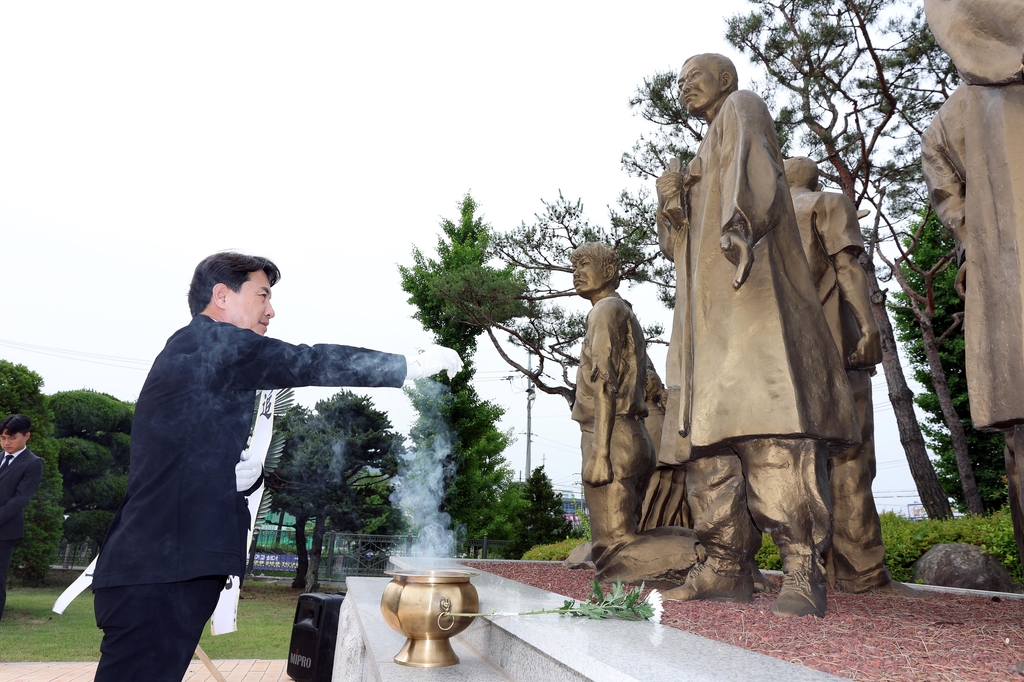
{"x":801,"y":595}
{"x":704,"y":582}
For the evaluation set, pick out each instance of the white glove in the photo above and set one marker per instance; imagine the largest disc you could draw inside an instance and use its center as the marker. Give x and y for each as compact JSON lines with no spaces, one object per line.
{"x":247,"y":472}
{"x":431,"y":361}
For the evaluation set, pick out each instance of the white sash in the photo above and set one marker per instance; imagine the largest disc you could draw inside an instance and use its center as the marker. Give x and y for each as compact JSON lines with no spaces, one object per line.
{"x":225,"y":616}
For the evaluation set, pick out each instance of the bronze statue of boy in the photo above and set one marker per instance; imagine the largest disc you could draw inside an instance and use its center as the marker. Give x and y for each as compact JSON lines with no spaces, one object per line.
{"x":618,"y":457}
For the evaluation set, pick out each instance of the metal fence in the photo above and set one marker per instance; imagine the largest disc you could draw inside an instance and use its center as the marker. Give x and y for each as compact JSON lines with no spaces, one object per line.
{"x":352,"y":554}
{"x":483,"y":548}
{"x":343,"y":555}
{"x":74,"y":554}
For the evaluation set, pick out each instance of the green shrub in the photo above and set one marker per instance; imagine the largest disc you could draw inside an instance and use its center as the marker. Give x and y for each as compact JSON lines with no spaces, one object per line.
{"x":906,"y":540}
{"x":768,"y":556}
{"x":559,"y":551}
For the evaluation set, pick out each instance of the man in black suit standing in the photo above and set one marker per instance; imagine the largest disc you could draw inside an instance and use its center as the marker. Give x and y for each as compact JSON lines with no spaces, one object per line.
{"x":181,"y":529}
{"x":20,"y":473}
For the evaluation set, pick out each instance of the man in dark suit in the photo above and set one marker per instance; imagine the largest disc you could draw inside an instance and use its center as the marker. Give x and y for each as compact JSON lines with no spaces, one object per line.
{"x":20,"y":473}
{"x":181,"y":528}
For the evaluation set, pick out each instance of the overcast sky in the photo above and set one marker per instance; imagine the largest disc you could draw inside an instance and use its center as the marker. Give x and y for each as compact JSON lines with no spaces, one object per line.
{"x":138,"y":138}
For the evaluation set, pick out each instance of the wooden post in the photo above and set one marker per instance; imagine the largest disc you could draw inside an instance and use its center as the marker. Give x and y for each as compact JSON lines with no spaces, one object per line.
{"x":209,"y":664}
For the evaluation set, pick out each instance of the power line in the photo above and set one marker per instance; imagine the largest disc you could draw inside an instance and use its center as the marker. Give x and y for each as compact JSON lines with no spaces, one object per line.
{"x":81,"y":356}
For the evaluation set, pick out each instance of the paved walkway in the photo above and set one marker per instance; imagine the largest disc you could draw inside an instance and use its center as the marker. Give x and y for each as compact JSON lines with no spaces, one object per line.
{"x":233,"y":671}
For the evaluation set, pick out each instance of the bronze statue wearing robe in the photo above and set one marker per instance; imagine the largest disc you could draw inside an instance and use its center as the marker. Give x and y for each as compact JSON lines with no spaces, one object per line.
{"x":759,"y":374}
{"x":832,"y":242}
{"x":973,"y":158}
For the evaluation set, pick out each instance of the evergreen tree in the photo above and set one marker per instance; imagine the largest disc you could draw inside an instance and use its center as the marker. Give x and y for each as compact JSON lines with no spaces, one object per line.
{"x":335,"y":470}
{"x":543,"y":520}
{"x":985,"y":449}
{"x":20,"y":393}
{"x":93,"y":434}
{"x":447,"y":292}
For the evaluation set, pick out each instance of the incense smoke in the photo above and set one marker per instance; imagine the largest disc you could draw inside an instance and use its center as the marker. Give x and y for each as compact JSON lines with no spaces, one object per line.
{"x":419,"y":486}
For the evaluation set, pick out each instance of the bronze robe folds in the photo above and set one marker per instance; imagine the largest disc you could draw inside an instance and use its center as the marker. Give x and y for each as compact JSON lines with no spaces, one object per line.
{"x":828,"y":225}
{"x":973,"y":157}
{"x":759,"y":361}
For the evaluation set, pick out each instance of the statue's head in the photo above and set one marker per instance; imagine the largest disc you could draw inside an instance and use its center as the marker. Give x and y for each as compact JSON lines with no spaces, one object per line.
{"x":984,"y":38}
{"x":802,"y":172}
{"x":595,"y":266}
{"x":705,"y":81}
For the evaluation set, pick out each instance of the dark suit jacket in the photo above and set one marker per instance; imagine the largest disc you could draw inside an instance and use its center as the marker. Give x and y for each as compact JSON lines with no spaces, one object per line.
{"x":18,"y":483}
{"x":182,"y":517}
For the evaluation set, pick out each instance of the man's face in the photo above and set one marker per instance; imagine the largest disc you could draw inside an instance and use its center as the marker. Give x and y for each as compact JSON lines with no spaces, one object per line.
{"x":13,"y":442}
{"x":699,"y":90}
{"x":588,"y":276}
{"x":250,"y":307}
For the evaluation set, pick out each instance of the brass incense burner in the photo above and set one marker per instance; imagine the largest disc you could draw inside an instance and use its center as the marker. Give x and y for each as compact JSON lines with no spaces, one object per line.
{"x":419,"y":604}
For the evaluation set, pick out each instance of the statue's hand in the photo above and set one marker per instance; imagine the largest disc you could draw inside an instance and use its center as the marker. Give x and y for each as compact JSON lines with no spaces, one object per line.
{"x":740,"y":253}
{"x":597,"y":471}
{"x":868,"y":352}
{"x":670,"y":184}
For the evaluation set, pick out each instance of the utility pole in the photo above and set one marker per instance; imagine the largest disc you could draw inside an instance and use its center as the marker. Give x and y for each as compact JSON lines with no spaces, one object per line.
{"x":531,"y":395}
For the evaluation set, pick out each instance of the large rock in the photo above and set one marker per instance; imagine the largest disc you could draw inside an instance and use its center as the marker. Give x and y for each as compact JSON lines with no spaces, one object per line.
{"x":963,"y":566}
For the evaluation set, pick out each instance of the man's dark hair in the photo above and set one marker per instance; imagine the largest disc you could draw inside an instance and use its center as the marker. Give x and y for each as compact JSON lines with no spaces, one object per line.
{"x":16,"y":423}
{"x":229,"y":268}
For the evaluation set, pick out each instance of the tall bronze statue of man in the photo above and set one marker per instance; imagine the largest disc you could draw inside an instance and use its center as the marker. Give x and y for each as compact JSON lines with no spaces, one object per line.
{"x":973,"y":156}
{"x":618,"y":457}
{"x":759,"y":375}
{"x":833,"y":242}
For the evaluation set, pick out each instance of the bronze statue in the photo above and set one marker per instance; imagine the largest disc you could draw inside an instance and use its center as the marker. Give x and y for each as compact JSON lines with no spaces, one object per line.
{"x":665,"y":500}
{"x":617,"y":454}
{"x":833,"y":242}
{"x":758,"y":372}
{"x":973,"y":157}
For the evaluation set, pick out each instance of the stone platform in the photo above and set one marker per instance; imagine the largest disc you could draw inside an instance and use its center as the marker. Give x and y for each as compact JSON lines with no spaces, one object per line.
{"x":543,"y":648}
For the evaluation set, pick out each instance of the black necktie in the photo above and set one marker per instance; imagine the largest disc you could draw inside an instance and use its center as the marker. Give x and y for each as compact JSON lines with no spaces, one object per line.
{"x":6,"y":463}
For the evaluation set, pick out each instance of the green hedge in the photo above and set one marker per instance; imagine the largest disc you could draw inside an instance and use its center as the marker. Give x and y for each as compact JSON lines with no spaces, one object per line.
{"x":556,"y":552}
{"x":905,"y":542}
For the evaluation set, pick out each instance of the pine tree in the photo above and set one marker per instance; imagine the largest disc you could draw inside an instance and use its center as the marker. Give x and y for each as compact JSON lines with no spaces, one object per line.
{"x":335,"y":470}
{"x":93,"y":435}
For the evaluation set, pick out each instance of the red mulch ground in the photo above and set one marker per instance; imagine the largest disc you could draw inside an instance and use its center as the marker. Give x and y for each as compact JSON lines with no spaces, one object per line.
{"x":863,"y":637}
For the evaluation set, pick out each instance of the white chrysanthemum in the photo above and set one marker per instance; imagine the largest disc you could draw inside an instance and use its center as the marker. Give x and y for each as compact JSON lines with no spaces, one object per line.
{"x":656,"y":602}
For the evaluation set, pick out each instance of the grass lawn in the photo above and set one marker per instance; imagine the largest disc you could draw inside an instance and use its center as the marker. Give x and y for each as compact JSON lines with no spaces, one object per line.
{"x":30,"y":631}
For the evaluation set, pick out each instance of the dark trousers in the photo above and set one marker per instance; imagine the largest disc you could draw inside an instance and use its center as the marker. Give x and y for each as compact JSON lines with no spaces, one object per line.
{"x":6,"y":550}
{"x":150,"y":632}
